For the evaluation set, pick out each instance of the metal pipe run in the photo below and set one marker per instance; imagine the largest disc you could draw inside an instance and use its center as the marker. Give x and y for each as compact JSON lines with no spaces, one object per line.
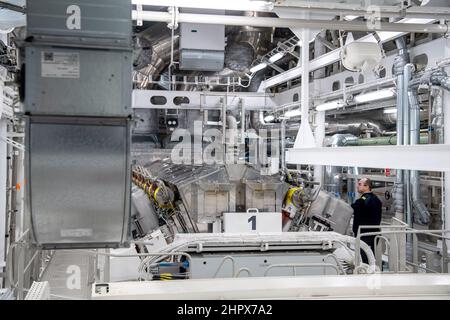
{"x":407,"y":75}
{"x":400,"y":61}
{"x":381,"y":141}
{"x":424,"y":214}
{"x":157,"y":16}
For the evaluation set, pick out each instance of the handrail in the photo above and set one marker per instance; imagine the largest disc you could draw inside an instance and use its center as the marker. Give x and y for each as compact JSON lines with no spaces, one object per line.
{"x":410,"y":231}
{"x":419,"y":266}
{"x":377,"y":245}
{"x":233,"y":264}
{"x":338,"y":263}
{"x":243,"y":269}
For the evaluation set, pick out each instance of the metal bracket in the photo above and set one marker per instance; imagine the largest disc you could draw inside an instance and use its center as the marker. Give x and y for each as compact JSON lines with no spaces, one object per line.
{"x":174,"y":23}
{"x":139,"y":15}
{"x":13,"y":143}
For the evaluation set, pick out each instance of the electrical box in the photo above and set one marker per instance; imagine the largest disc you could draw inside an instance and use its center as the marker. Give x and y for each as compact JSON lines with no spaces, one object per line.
{"x":202,"y":46}
{"x":82,"y":22}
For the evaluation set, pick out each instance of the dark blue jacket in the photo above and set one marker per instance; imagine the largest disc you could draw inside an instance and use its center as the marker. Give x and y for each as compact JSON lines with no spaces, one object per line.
{"x":367,"y":211}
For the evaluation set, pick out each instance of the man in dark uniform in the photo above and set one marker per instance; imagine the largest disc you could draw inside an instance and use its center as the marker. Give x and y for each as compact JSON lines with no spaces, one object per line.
{"x":367,"y":211}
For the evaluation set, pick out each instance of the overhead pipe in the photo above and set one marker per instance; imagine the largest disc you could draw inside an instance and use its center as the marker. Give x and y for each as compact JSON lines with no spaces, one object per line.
{"x":158,"y":16}
{"x":355,"y":126}
{"x":380,"y":141}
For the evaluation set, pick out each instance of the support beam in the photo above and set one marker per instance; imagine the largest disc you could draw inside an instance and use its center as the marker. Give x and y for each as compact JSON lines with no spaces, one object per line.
{"x":333,"y":56}
{"x":300,"y":7}
{"x":417,"y":157}
{"x":197,"y":100}
{"x":12,"y":7}
{"x":157,"y":16}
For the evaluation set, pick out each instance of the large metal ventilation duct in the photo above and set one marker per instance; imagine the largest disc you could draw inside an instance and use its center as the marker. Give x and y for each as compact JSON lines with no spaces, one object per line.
{"x":153,"y":52}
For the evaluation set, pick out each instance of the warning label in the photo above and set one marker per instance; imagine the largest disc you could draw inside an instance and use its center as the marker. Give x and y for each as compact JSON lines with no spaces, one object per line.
{"x":60,"y":65}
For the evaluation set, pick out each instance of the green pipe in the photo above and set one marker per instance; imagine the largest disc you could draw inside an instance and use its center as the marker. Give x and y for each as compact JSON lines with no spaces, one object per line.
{"x":381,"y":141}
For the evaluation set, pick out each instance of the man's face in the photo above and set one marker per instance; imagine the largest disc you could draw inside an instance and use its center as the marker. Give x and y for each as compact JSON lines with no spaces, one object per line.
{"x":362,"y":186}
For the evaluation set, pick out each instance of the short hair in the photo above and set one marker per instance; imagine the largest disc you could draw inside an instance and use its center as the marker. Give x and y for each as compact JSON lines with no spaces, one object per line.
{"x":368,"y":182}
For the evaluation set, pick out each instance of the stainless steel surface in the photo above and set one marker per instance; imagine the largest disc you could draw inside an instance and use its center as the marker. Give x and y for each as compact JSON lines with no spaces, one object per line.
{"x":142,"y":213}
{"x":69,"y":274}
{"x":102,"y":88}
{"x":79,"y":181}
{"x":101,"y":21}
{"x":336,"y":211}
{"x":201,"y":60}
{"x":206,"y":265}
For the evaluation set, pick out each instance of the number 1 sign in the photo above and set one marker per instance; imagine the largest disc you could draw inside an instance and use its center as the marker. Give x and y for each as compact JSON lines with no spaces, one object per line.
{"x":252,"y":221}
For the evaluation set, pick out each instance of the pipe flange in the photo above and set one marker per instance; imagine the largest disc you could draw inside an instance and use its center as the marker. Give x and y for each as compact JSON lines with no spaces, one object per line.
{"x":447,"y":33}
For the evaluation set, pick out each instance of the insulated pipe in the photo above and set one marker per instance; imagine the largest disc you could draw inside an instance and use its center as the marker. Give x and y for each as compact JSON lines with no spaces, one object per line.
{"x":157,"y":16}
{"x":440,"y":78}
{"x":231,"y":122}
{"x":424,"y":214}
{"x":407,"y":74}
{"x":438,"y":114}
{"x":381,"y":141}
{"x":399,"y":63}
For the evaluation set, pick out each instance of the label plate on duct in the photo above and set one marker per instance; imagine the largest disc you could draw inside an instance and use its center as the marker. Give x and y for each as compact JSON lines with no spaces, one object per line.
{"x":60,"y":64}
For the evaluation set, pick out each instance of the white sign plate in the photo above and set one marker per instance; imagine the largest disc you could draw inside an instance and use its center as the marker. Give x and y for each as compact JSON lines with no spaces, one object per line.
{"x":60,"y":64}
{"x":252,"y":221}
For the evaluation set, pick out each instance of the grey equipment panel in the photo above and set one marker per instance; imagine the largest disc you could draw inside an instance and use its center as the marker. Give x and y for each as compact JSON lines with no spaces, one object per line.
{"x":82,"y":21}
{"x":79,"y":181}
{"x":63,"y":81}
{"x":202,"y":60}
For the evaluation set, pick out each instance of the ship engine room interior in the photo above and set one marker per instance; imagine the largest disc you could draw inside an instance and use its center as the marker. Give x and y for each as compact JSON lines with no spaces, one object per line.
{"x":211,"y":149}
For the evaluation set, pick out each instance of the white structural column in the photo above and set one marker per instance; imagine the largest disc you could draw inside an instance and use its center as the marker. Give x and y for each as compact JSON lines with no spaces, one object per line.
{"x":319,"y":134}
{"x":305,"y":138}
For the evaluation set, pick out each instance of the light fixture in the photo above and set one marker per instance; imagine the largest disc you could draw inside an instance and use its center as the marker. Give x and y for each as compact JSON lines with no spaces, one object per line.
{"x":269,"y":118}
{"x":293,"y":113}
{"x":241,"y":5}
{"x":374,"y":96}
{"x":276,"y":57}
{"x":390,"y":110}
{"x":330,"y":105}
{"x":350,"y":17}
{"x":258,"y":67}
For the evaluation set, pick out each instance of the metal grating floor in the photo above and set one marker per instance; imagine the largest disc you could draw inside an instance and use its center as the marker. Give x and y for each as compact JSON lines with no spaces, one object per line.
{"x":68,"y":275}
